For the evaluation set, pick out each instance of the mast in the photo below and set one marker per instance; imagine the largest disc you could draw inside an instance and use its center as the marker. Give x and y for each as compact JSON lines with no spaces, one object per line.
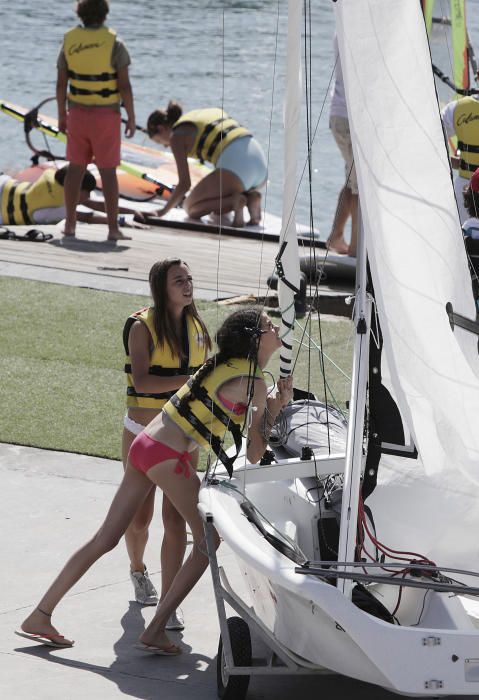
{"x":287,"y":260}
{"x":354,"y":446}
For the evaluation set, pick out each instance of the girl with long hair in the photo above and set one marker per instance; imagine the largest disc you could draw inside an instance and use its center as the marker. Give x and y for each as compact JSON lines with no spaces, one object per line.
{"x":165,"y":344}
{"x":219,"y":395}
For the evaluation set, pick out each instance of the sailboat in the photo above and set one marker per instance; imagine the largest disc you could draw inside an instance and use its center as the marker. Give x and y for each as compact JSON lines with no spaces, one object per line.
{"x":363,"y":560}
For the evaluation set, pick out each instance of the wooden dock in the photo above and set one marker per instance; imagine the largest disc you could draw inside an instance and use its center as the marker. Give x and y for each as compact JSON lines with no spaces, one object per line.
{"x":222,"y":267}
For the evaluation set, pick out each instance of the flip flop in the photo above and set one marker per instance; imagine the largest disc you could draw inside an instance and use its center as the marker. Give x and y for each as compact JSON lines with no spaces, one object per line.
{"x":36,"y":235}
{"x":33,"y":235}
{"x":159,"y":651}
{"x":49,"y":640}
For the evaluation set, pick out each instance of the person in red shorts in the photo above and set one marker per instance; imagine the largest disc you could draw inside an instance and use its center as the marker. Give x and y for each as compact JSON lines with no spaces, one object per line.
{"x":92,"y":81}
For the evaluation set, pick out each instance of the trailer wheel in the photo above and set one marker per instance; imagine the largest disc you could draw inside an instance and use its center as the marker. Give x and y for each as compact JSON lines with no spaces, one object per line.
{"x":232,"y":687}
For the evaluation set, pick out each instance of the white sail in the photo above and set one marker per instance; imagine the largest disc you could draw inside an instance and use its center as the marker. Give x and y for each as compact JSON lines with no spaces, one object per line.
{"x":418,"y":265}
{"x":288,"y":257}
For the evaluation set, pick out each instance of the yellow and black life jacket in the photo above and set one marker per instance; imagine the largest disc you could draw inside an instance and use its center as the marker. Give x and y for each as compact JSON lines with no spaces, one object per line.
{"x":215,"y":130}
{"x":21,"y":199}
{"x":163,"y":363}
{"x":466,"y":125}
{"x":205,"y":419}
{"x":92,"y":78}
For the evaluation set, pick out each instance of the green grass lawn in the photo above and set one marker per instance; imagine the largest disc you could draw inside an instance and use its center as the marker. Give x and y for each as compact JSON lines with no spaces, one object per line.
{"x":61,"y":364}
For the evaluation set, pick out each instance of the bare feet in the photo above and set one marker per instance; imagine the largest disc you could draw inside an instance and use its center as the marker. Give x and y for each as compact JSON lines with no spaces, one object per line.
{"x":338,"y":246}
{"x":69,"y":234}
{"x":117,"y":236}
{"x":253,"y":202}
{"x":38,"y":627}
{"x":239,"y":203}
{"x":160,"y":645}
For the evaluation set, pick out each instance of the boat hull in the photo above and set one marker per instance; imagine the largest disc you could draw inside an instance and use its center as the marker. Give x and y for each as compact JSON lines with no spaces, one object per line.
{"x":315,"y":621}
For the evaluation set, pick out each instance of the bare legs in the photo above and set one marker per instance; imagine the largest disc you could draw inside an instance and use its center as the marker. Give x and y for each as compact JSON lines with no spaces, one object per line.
{"x":253,"y":203}
{"x":173,"y":546}
{"x":136,"y":535}
{"x":132,"y":492}
{"x":183,"y":493}
{"x":347,"y":207}
{"x":135,"y":487}
{"x":109,"y":183}
{"x":72,"y":187}
{"x":73,"y":182}
{"x":220,"y":192}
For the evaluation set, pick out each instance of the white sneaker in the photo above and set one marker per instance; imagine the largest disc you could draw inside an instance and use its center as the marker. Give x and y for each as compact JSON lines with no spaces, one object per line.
{"x":175,"y":621}
{"x":145,"y":592}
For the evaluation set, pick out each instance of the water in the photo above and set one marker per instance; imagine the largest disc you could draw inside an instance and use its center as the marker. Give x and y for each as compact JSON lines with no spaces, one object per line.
{"x":201,"y":53}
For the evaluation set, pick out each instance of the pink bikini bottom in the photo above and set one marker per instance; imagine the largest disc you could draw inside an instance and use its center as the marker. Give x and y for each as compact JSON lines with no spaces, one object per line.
{"x":145,"y":452}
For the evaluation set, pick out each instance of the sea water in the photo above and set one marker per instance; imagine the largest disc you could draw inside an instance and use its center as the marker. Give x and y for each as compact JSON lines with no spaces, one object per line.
{"x":228,"y":53}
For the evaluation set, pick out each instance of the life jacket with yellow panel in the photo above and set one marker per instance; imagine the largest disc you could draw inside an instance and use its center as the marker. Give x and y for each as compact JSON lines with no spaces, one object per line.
{"x":163,"y":362}
{"x":21,"y":199}
{"x":204,"y":418}
{"x":466,"y":125}
{"x":92,"y":77}
{"x":215,"y":130}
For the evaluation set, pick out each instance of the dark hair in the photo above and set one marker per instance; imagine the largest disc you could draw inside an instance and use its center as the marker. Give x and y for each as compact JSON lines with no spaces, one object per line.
{"x":471,"y":201}
{"x":88,"y":183}
{"x":161,"y":117}
{"x":92,"y":12}
{"x":238,"y":336}
{"x":165,"y":327}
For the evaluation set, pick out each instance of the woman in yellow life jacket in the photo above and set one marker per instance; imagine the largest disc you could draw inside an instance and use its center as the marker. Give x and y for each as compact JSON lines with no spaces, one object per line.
{"x":217,"y":398}
{"x":164,"y":345}
{"x":211,"y":135}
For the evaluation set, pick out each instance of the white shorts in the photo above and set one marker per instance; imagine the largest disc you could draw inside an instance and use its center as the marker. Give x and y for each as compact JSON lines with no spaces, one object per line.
{"x":132,"y":426}
{"x":244,"y":157}
{"x":340,"y":128}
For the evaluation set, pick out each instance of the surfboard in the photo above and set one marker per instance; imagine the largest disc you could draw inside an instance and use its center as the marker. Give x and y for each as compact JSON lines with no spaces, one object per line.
{"x":147,"y":173}
{"x":143,"y":170}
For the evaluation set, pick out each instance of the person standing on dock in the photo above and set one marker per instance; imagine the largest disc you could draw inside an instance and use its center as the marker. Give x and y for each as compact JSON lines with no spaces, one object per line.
{"x":92,"y":81}
{"x":347,"y":205}
{"x":211,"y":135}
{"x":165,"y":344}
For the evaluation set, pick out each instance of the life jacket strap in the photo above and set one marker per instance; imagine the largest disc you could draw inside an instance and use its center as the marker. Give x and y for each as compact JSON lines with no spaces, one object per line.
{"x":160,"y":371}
{"x":101,"y":77}
{"x":206,"y":132}
{"x":467,"y":147}
{"x":105,"y":92}
{"x":219,"y":137}
{"x":130,"y":391}
{"x":23,"y":206}
{"x":213,"y":440}
{"x":470,"y":167}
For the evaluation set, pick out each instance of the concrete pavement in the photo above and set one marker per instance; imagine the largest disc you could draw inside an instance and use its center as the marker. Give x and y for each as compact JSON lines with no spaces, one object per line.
{"x":51,"y":503}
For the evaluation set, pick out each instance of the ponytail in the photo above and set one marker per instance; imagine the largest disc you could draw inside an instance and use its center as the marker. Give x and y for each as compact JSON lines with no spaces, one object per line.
{"x":238,"y":336}
{"x":163,"y":117}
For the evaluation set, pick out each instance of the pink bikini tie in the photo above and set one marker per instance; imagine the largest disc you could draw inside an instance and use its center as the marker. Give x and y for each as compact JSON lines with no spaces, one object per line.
{"x":183,"y":464}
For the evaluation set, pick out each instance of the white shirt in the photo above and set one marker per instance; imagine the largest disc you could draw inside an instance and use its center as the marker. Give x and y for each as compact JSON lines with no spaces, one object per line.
{"x":338,"y":106}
